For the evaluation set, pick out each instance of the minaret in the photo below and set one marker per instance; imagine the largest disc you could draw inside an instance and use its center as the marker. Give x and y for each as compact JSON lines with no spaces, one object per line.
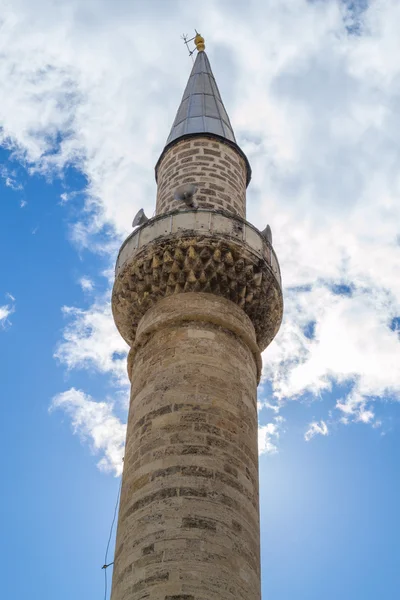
{"x":197,"y":297}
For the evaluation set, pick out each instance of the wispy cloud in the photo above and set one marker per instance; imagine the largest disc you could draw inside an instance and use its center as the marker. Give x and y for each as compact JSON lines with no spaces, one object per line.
{"x":10,"y":178}
{"x":91,"y":341}
{"x":95,"y":422}
{"x":86,"y":284}
{"x":316,"y":428}
{"x":268,"y":436}
{"x":6,"y":310}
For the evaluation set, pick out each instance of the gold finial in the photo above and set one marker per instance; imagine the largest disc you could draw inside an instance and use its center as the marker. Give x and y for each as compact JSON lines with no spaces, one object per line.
{"x":199,"y":41}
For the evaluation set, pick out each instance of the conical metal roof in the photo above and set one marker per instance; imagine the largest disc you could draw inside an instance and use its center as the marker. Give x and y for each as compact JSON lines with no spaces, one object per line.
{"x":201,"y":109}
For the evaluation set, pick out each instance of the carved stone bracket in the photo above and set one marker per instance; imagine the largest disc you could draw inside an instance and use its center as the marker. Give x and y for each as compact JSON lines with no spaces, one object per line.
{"x":184,"y":262}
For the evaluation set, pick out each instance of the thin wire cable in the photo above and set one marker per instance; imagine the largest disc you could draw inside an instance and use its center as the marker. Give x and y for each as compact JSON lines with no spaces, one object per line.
{"x":109,"y":540}
{"x":105,"y":584}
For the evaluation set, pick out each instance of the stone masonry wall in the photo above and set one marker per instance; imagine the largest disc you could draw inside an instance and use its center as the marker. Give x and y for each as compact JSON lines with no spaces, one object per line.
{"x":216,"y":168}
{"x":188,"y":524}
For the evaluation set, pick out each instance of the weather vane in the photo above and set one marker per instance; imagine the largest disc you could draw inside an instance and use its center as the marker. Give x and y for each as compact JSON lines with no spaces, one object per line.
{"x":198,"y":41}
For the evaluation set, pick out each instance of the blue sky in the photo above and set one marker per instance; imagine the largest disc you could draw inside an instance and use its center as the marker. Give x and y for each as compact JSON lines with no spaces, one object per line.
{"x":312,"y":90}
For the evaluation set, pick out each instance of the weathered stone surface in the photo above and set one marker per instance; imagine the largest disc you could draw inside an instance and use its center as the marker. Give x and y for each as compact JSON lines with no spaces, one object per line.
{"x":188,"y":522}
{"x":182,"y":263}
{"x":215,"y":167}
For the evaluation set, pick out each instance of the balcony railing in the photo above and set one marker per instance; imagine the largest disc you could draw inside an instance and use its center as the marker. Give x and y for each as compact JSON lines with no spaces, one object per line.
{"x":195,"y":222}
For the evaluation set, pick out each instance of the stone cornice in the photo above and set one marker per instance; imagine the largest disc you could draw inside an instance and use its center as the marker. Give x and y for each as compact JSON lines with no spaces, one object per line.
{"x":211,"y":259}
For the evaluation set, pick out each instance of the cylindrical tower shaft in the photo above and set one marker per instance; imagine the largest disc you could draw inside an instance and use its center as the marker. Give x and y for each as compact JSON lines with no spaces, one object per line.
{"x":189,"y":525}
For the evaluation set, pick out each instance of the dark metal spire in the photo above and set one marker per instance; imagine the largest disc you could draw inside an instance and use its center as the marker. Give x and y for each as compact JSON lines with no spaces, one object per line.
{"x":201,"y":109}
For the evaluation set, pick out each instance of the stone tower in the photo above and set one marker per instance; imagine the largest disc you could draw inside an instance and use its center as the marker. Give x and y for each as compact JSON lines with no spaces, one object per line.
{"x":197,"y":297}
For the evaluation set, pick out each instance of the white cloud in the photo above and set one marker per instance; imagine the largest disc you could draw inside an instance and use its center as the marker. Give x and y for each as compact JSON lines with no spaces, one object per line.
{"x":352,"y":343}
{"x":316,"y":428}
{"x":86,"y":284}
{"x":10,"y":178}
{"x":91,"y":340}
{"x":315,"y":109}
{"x":268,"y":436}
{"x":6,"y":310}
{"x":95,"y":421}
